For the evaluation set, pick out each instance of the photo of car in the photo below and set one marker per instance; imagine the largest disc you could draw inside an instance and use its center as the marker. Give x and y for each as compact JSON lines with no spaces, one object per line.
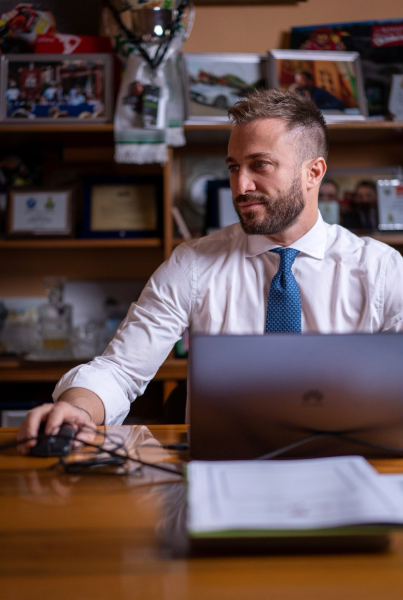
{"x":213,"y":95}
{"x":214,"y":82}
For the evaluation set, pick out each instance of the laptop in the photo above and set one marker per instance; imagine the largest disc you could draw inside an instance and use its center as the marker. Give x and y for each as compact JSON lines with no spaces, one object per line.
{"x":321,"y":395}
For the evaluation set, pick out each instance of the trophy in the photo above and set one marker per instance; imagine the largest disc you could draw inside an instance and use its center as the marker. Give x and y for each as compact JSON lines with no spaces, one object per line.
{"x":146,"y":35}
{"x":145,"y":26}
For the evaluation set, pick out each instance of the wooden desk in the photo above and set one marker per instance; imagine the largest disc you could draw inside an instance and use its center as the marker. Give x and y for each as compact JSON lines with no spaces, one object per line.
{"x":94,"y":537}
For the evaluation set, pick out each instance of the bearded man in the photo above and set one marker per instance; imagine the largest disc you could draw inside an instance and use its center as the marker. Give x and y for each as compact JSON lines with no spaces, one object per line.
{"x":280,"y":269}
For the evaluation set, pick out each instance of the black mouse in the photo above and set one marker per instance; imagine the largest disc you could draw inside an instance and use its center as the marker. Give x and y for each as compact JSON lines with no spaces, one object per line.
{"x":54,"y":445}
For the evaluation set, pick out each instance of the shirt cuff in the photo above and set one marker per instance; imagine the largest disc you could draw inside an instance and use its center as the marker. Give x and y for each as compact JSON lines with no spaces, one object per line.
{"x":115,"y":402}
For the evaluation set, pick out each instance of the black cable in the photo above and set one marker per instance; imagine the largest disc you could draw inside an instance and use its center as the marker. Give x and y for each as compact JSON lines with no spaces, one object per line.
{"x":129,"y":458}
{"x":334,"y":434}
{"x":112,"y":452}
{"x":292,"y":446}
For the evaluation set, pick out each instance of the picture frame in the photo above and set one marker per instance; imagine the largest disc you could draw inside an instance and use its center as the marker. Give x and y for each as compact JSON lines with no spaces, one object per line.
{"x":333,"y":80}
{"x":44,"y":88}
{"x":356,"y":192}
{"x":377,"y":42}
{"x":214,"y":82}
{"x":122,"y":207}
{"x":40,"y":212}
{"x":220,"y":211}
{"x":390,"y":204}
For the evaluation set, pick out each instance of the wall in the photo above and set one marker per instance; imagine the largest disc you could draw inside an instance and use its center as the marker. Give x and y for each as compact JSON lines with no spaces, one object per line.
{"x":260,"y":28}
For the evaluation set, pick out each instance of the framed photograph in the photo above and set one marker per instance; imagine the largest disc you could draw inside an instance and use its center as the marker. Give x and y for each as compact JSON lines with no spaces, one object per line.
{"x":220,"y":211}
{"x":390,"y":204}
{"x":40,"y":212}
{"x":214,"y":82}
{"x":332,"y":80}
{"x":122,"y":207}
{"x":42,"y":88}
{"x":377,"y":42}
{"x":351,"y":198}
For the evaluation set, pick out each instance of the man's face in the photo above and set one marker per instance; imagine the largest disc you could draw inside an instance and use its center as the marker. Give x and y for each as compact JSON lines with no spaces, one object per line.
{"x":322,"y":39}
{"x":328,"y":192}
{"x":265,"y":177}
{"x":302,"y":81}
{"x":365,"y":195}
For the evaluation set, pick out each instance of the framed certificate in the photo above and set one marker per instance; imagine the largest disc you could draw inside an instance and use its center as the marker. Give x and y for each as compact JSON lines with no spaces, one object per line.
{"x":41,"y":212}
{"x":390,"y":204}
{"x":122,"y":207}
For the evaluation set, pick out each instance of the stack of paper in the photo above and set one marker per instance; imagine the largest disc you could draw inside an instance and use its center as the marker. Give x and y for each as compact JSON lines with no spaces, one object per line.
{"x":294,"y":497}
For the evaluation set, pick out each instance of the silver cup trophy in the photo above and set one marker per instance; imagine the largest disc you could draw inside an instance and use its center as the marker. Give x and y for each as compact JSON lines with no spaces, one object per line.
{"x":148,"y":27}
{"x":147,"y":35}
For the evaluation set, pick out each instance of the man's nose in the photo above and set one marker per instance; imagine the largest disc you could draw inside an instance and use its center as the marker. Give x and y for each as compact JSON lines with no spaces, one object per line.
{"x":242,"y":183}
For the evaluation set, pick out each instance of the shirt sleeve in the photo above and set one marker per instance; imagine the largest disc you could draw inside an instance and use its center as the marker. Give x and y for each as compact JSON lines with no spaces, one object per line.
{"x":393,"y":294}
{"x":143,"y":341}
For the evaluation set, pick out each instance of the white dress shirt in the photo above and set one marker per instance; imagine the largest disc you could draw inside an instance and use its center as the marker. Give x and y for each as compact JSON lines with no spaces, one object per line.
{"x":220,"y":284}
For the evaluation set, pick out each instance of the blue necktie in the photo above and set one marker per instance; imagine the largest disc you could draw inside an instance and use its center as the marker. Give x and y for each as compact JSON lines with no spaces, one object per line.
{"x":284,"y":303}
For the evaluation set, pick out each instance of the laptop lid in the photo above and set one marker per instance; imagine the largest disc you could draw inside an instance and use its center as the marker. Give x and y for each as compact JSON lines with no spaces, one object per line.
{"x":251,"y":395}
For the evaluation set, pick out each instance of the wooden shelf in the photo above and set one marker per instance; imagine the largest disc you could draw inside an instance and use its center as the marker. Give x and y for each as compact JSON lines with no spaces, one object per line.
{"x":393,"y":239}
{"x":56,"y":127}
{"x":353,"y":131}
{"x":108,"y":127}
{"x":175,"y":369}
{"x":32,"y":244}
{"x":216,"y":134}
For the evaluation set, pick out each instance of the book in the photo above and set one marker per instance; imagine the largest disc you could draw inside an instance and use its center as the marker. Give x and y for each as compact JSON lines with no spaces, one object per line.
{"x":338,"y":503}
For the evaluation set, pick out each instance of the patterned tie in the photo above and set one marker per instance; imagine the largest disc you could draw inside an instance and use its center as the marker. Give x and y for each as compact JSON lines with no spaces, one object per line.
{"x":284,"y":303}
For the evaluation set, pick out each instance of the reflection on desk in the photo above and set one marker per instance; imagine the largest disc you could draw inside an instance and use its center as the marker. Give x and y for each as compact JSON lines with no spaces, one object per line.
{"x":91,"y":536}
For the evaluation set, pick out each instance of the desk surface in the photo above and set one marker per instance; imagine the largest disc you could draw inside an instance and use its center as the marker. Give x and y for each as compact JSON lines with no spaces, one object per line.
{"x":96,"y":537}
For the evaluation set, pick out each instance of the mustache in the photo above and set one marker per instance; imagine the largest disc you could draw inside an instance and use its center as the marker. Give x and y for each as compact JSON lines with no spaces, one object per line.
{"x":262,"y":198}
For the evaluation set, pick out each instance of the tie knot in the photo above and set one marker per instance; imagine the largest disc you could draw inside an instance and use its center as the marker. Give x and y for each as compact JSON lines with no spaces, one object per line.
{"x":287,"y":257}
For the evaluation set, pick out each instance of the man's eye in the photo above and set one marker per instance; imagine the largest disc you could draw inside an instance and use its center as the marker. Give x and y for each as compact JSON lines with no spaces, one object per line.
{"x":233,"y":168}
{"x":259,"y":164}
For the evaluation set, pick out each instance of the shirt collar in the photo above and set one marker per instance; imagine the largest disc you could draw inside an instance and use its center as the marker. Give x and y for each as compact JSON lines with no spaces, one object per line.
{"x":312,"y":243}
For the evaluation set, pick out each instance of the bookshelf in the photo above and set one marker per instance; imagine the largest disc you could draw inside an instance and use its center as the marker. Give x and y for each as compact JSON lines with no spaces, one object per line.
{"x":24,"y":262}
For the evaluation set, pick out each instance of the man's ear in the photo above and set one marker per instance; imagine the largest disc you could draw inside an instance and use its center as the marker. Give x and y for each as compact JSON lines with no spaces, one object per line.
{"x":316,"y":169}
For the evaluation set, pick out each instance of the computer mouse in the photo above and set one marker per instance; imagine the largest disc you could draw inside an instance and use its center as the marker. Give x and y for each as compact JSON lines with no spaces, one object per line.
{"x":54,"y":445}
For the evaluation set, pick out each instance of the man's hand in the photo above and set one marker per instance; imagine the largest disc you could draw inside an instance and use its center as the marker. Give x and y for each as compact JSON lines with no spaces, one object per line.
{"x":79,"y":407}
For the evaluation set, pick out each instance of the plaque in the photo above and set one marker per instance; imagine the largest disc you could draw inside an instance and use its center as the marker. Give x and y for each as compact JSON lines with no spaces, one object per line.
{"x":396,"y":98}
{"x":120,"y":207}
{"x":40,"y":212}
{"x":390,"y":204}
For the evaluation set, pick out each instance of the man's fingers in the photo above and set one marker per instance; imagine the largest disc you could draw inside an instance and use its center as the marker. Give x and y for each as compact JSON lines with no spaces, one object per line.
{"x":30,"y":427}
{"x":55,"y":415}
{"x":62,"y":411}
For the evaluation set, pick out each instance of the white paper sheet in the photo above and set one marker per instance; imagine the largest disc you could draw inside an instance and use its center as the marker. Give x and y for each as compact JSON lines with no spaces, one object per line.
{"x":297,"y":494}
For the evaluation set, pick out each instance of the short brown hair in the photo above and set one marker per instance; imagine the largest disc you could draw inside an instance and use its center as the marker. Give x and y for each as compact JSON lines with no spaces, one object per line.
{"x":300,"y":114}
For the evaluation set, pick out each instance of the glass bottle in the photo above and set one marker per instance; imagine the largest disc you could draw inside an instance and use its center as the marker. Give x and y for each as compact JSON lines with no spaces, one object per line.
{"x":55,"y":320}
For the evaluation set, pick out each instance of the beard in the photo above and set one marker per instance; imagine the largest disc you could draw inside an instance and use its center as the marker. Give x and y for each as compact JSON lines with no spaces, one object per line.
{"x":281,"y":212}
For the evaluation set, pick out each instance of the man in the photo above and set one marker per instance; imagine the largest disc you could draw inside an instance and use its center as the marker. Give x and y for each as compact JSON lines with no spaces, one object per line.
{"x":329,"y":191}
{"x":363,"y":207}
{"x":304,"y":84}
{"x":281,"y":269}
{"x":12,"y":93}
{"x":329,"y":204}
{"x":50,"y":93}
{"x":76,"y":96}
